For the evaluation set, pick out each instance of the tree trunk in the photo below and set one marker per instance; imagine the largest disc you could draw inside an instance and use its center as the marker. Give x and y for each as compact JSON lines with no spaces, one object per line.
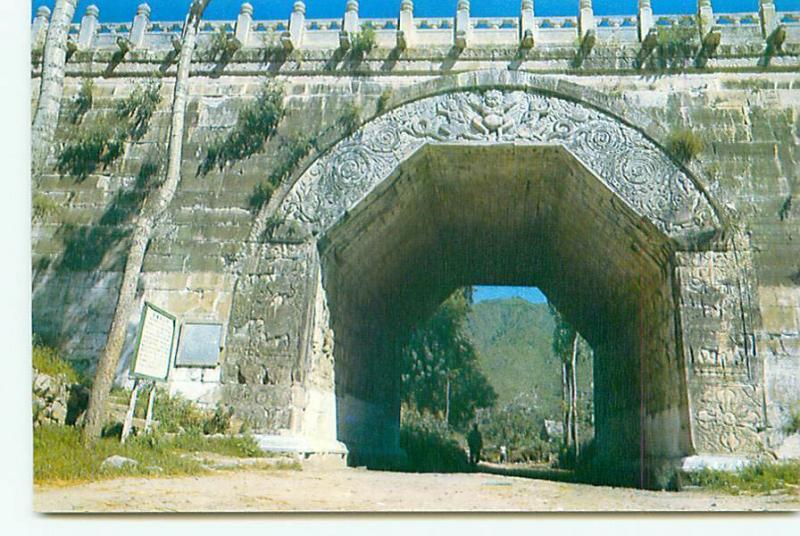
{"x":154,"y":208}
{"x":565,"y":397}
{"x":574,"y":392}
{"x":51,"y":87}
{"x":447,"y":403}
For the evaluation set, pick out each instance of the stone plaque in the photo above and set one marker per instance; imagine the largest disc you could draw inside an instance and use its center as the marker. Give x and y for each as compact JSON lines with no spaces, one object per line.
{"x":199,"y":345}
{"x":154,"y":344}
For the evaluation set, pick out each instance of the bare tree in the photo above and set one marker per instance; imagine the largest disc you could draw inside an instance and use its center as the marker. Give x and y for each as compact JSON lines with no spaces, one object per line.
{"x":154,"y":208}
{"x":565,"y":346}
{"x":51,"y":87}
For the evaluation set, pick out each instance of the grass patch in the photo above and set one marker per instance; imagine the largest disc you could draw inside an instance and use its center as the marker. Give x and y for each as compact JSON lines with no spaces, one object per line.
{"x":47,"y":361}
{"x":684,"y":145}
{"x":754,"y":479}
{"x":43,"y":207}
{"x":59,"y":456}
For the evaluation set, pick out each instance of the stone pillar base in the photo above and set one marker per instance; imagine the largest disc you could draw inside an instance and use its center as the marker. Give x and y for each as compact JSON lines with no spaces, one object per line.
{"x":307,"y":450}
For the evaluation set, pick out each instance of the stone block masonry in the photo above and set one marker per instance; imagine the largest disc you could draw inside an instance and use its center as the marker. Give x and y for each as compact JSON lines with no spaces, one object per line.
{"x":692,"y":268}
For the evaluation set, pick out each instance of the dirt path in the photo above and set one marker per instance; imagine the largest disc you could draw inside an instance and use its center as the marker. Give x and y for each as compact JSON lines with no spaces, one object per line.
{"x":362,"y":490}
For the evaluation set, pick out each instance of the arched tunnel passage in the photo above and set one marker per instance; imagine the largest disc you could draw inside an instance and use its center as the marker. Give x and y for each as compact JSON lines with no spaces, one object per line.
{"x":506,"y":214}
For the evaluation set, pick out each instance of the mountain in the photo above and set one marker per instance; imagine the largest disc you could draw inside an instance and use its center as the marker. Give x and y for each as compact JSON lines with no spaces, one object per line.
{"x":514,"y":342}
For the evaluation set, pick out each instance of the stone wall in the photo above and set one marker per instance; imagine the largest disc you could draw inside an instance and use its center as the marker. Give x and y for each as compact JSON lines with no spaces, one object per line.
{"x":209,"y":259}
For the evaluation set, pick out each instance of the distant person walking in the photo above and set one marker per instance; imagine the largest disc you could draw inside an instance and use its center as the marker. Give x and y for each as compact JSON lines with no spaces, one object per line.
{"x":503,"y":454}
{"x":475,"y":442}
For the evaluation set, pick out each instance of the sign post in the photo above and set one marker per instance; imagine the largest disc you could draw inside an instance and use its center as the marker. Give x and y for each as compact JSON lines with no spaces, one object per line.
{"x":154,"y":345}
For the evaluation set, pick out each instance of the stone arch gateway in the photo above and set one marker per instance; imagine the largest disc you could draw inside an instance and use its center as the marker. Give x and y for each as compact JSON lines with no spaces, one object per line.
{"x":500,"y":184}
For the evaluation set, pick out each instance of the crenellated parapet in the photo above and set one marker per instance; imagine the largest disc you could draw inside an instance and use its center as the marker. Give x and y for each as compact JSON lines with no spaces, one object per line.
{"x":461,"y":31}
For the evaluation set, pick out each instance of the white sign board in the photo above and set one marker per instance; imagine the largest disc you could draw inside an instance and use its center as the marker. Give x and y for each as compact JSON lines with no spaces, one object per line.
{"x":154,"y":345}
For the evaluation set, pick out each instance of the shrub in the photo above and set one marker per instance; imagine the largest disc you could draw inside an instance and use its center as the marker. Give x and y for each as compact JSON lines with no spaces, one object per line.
{"x":43,"y":207}
{"x":677,"y":44}
{"x":47,"y":361}
{"x":383,"y":100}
{"x":220,"y":47}
{"x":430,"y":445}
{"x":363,"y":42}
{"x":138,"y":108}
{"x":350,"y":119}
{"x":758,"y":478}
{"x":684,"y":145}
{"x":175,"y":414}
{"x":103,"y":141}
{"x":295,"y":150}
{"x":256,"y":123}
{"x":82,"y":102}
{"x":793,"y":426}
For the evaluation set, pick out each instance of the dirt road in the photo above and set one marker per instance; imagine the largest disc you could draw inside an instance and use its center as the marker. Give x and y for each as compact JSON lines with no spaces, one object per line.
{"x":362,"y":490}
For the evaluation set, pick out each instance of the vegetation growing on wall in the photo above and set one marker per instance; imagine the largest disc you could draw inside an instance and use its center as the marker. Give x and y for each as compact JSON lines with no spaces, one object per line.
{"x":220,"y":47}
{"x":103,"y":141}
{"x":43,"y":207}
{"x":256,"y":123}
{"x":363,"y":42}
{"x":82,"y":102}
{"x":294,"y":150}
{"x":676,"y":45}
{"x":684,"y":145}
{"x":350,"y":118}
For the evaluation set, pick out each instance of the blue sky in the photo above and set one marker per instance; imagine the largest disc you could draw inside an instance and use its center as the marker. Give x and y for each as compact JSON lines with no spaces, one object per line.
{"x":532,"y":294}
{"x":124,"y":10}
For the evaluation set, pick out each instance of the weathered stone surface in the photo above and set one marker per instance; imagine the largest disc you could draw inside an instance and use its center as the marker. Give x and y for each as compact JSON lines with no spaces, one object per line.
{"x":697,"y":333}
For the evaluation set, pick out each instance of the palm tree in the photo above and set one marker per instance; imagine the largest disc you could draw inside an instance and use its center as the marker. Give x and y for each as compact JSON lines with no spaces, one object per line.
{"x":51,"y":87}
{"x":154,"y":208}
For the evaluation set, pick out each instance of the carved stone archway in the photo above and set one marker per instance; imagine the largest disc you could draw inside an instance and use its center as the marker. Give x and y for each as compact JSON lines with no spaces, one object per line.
{"x":281,"y":322}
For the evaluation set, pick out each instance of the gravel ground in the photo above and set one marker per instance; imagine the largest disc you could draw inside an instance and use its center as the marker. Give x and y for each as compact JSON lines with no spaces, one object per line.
{"x":351,"y":489}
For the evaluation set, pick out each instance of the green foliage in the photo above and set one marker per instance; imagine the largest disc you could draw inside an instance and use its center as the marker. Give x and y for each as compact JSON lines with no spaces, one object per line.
{"x":429,"y":444}
{"x":677,"y":44}
{"x":47,"y":361}
{"x":517,"y":425}
{"x":82,"y":102}
{"x":439,"y":353}
{"x":137,"y":109}
{"x":793,"y":426}
{"x":59,"y":456}
{"x":363,"y":42}
{"x":383,"y":100}
{"x":350,"y":118}
{"x":176,"y":414}
{"x":220,"y":47}
{"x":43,"y":207}
{"x":294,"y":150}
{"x":219,"y":422}
{"x":514,"y":342}
{"x":758,"y":478}
{"x":256,"y":123}
{"x":103,"y":141}
{"x":684,"y":145}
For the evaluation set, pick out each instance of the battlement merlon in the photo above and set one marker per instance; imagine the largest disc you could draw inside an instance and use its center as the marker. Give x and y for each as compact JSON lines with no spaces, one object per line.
{"x":408,"y":31}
